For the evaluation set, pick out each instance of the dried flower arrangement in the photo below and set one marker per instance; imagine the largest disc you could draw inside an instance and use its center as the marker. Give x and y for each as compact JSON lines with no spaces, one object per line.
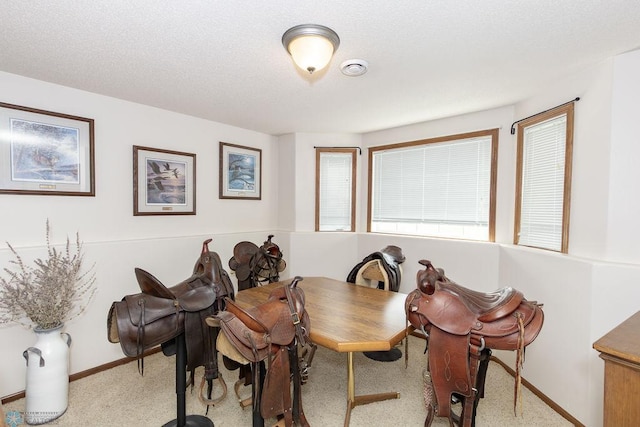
{"x":49,"y":294}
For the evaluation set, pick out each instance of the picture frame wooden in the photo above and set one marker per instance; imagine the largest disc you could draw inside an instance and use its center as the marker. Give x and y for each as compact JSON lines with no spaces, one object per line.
{"x":164,"y":182}
{"x":45,"y":153}
{"x":240,"y":172}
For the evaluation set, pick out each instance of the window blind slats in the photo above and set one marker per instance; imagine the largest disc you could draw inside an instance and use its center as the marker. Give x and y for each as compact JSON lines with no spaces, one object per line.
{"x":335,"y":191}
{"x":435,"y":189}
{"x":542,"y":197}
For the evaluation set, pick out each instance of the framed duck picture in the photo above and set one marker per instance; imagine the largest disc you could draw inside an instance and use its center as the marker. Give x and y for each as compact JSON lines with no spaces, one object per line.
{"x":164,"y":182}
{"x":240,"y":172}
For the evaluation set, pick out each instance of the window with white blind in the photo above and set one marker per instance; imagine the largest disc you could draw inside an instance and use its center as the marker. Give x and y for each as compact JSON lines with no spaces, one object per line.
{"x":543,"y":181}
{"x":441,"y":187}
{"x":335,"y":189}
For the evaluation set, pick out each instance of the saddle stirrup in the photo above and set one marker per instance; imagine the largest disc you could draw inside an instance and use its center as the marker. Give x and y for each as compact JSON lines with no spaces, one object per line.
{"x":208,"y":401}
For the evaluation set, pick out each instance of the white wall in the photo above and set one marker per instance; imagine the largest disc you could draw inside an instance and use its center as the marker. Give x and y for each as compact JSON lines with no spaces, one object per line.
{"x":167,"y":246}
{"x":120,"y":125}
{"x":287,"y":182}
{"x":500,"y":118}
{"x":624,"y":207}
{"x":591,"y":151}
{"x":305,"y":171}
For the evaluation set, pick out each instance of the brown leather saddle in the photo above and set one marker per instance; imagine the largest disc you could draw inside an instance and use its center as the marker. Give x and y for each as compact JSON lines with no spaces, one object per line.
{"x":272,"y":332}
{"x":380,"y":269}
{"x":255,"y":265}
{"x":460,"y":324}
{"x":158,"y":314}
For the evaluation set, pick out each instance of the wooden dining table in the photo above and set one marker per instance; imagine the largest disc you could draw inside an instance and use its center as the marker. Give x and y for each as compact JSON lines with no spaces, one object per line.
{"x":346,"y":318}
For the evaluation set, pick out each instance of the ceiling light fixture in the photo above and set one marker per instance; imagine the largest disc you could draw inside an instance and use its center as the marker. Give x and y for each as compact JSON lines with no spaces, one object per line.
{"x":311,"y":46}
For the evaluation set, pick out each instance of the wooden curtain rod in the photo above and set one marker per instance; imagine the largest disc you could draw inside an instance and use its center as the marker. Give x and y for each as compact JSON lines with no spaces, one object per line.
{"x":359,"y":149}
{"x":513,"y":129}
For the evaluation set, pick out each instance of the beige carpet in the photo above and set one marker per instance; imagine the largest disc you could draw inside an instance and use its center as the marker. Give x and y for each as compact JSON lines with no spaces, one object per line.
{"x":121,"y":397}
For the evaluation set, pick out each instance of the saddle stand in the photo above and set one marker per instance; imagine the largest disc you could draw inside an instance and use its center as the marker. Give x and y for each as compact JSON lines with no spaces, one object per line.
{"x":182,"y":420}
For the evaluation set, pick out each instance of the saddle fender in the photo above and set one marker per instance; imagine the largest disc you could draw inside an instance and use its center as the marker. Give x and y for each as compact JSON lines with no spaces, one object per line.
{"x":141,"y":321}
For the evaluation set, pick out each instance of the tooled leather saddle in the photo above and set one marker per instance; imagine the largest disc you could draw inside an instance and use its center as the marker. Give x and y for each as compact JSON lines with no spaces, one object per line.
{"x":460,"y":324}
{"x":273,"y":332}
{"x":158,"y":315}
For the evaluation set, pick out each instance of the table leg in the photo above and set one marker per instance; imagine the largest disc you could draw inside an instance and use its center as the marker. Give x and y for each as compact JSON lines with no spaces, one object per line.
{"x":353,"y":400}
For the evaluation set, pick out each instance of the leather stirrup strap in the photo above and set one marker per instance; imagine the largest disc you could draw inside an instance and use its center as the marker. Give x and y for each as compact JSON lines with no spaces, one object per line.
{"x":256,"y":383}
{"x":140,"y":338}
{"x":292,"y":310}
{"x":517,"y":398}
{"x":475,"y":348}
{"x":298,"y":412}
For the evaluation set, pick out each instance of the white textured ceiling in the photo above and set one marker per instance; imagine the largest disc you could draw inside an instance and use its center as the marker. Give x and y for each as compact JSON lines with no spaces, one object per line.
{"x":224,"y":61}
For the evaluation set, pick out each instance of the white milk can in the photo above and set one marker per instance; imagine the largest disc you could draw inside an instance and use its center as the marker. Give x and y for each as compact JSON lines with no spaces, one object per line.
{"x":47,"y":386}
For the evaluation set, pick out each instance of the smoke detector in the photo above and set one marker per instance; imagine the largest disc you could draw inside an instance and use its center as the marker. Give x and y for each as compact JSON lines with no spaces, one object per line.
{"x":354,"y":67}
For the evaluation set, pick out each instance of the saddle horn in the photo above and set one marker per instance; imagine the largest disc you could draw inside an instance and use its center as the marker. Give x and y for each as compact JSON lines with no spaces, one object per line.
{"x":205,"y":246}
{"x":426,"y":278}
{"x":294,"y":282}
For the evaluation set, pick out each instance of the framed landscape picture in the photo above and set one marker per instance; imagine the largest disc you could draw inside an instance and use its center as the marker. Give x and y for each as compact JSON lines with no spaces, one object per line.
{"x":164,"y":182}
{"x":240,"y":172}
{"x":45,"y":153}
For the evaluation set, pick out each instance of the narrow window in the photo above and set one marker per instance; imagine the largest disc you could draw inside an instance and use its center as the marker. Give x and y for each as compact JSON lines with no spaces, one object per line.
{"x":442,"y":187}
{"x":335,"y":189}
{"x":543,"y":180}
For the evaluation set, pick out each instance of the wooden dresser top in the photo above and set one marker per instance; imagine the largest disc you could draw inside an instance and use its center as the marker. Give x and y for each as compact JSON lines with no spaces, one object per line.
{"x":623,"y":341}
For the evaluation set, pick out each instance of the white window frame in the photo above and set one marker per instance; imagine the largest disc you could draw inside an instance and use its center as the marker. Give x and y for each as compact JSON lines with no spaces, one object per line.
{"x":538,"y":184}
{"x":443,"y":227}
{"x":343,"y":194}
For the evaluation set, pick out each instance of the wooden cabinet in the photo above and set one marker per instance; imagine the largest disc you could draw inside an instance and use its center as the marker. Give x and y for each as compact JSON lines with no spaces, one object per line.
{"x":620,"y":350}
